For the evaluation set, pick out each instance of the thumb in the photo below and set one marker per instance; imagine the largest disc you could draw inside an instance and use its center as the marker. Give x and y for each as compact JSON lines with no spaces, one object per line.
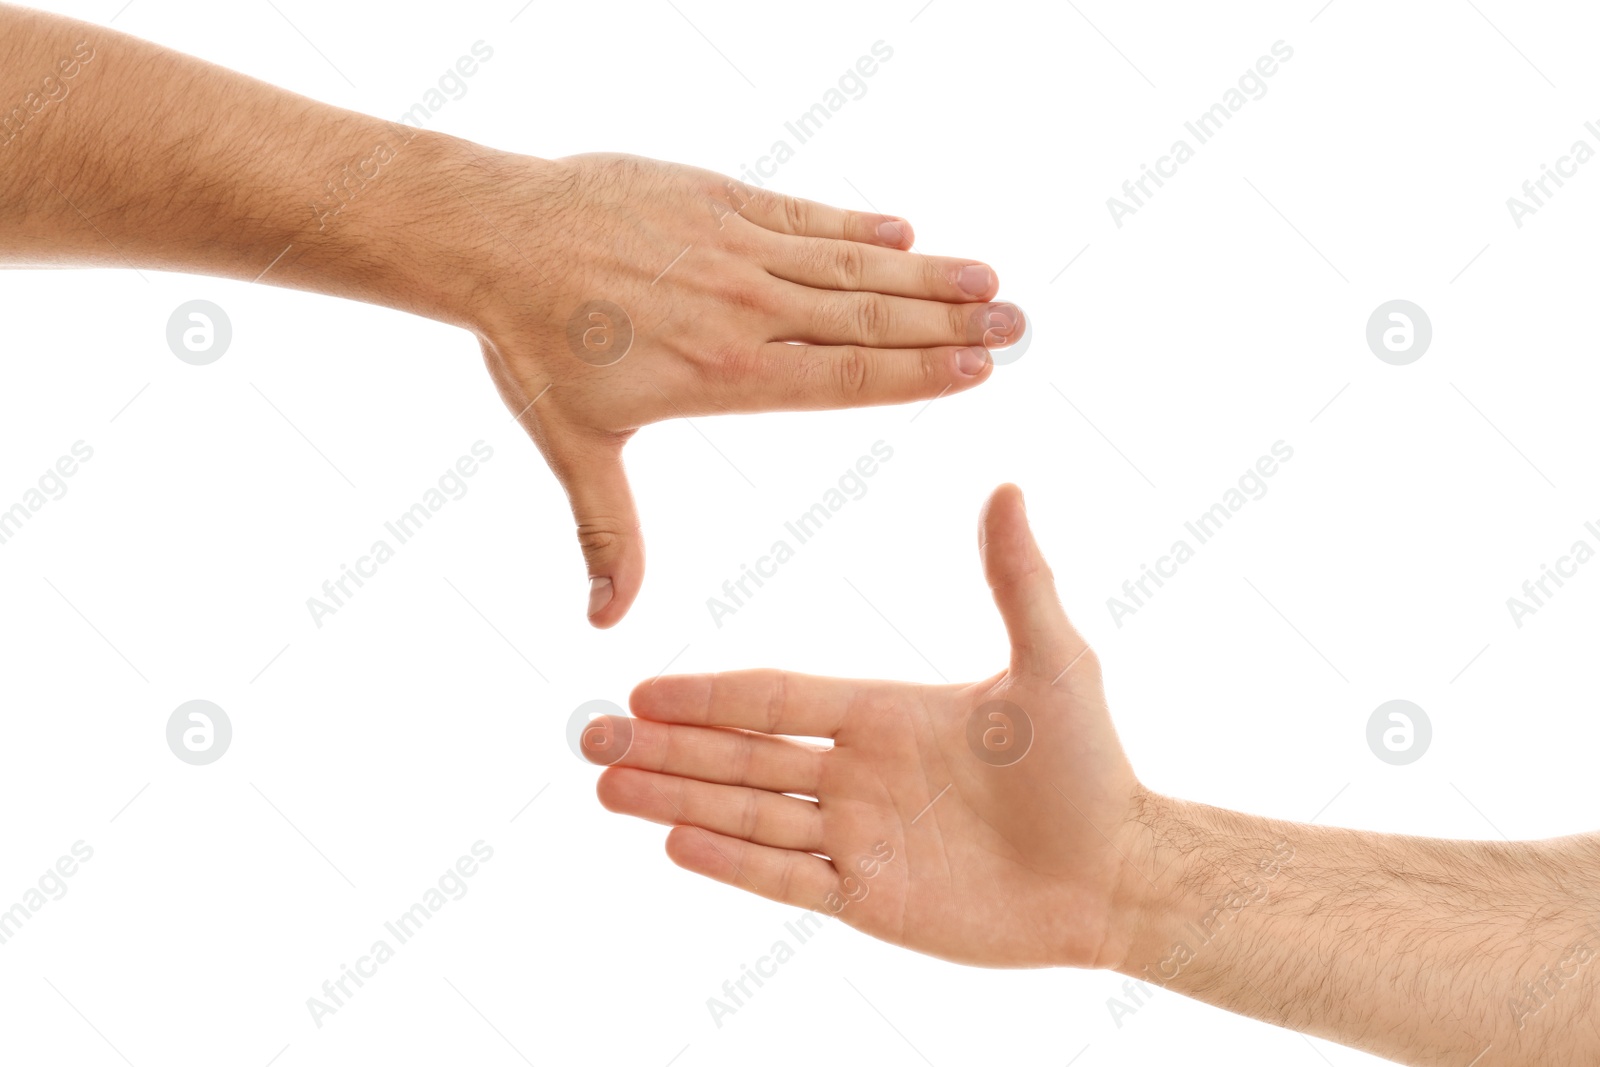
{"x":608,"y":524}
{"x":1043,"y":642}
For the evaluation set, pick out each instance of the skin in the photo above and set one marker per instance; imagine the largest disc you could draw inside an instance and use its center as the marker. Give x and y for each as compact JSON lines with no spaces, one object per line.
{"x":1052,"y":853}
{"x":119,"y":153}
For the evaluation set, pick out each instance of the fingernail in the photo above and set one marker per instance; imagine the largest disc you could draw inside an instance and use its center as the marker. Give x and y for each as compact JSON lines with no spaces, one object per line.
{"x":599,"y":594}
{"x":1000,"y":322}
{"x":971,"y":361}
{"x":893,"y":231}
{"x":975,"y":279}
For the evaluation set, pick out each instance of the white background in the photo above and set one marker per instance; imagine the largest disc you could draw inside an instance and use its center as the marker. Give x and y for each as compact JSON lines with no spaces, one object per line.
{"x":1170,"y":354}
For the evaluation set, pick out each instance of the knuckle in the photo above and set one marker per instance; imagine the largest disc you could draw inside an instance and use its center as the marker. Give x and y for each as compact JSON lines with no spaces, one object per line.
{"x":668,"y":752}
{"x":746,"y":758}
{"x":765,"y":202}
{"x":852,"y":371}
{"x":932,"y":370}
{"x":834,"y":318}
{"x":731,"y":193}
{"x":734,"y":362}
{"x":736,"y":241}
{"x":750,"y":815}
{"x":966,"y":325}
{"x":601,"y":538}
{"x":747,"y":295}
{"x":848,"y":264}
{"x":815,"y":258}
{"x":777,"y":698}
{"x":872,"y":318}
{"x":796,"y":213}
{"x":786,"y":879}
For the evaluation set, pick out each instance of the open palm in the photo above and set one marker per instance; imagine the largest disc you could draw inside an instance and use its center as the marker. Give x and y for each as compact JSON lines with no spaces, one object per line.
{"x":985,"y":823}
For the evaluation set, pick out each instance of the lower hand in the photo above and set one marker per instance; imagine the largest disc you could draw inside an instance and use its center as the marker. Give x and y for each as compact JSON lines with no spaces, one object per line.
{"x":985,"y":824}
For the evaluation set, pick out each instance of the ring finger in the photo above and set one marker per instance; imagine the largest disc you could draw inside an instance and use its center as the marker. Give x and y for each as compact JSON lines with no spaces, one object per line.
{"x":757,"y":815}
{"x":873,"y":320}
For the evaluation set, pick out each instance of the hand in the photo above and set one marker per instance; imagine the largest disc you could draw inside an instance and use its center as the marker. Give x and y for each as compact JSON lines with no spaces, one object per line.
{"x":608,"y":291}
{"x":622,"y":291}
{"x":985,"y":823}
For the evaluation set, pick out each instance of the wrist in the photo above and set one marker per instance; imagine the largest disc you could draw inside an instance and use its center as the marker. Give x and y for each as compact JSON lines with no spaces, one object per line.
{"x":446,"y":236}
{"x":1147,"y":888}
{"x":411,"y":241}
{"x":1195,"y":875}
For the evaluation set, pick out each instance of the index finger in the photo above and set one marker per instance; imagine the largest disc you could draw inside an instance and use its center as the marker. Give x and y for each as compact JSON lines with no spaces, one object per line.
{"x":769,"y":701}
{"x":807,"y":218}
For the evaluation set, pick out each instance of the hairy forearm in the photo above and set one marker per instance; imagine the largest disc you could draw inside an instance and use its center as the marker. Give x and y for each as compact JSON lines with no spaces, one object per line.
{"x":117,"y":152}
{"x":1425,"y":951}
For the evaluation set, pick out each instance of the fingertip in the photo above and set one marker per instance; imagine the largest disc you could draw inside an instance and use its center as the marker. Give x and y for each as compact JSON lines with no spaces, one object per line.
{"x":684,"y":845}
{"x":607,"y":524}
{"x":1042,"y":637}
{"x":650,"y":696}
{"x":639,"y":699}
{"x":1003,"y":518}
{"x":606,"y":739}
{"x":654,"y":698}
{"x":978,"y":281}
{"x":710,"y":855}
{"x":610,"y":597}
{"x":972,"y":365}
{"x":601,"y":593}
{"x":1006,"y":499}
{"x":1001,"y":324}
{"x":608,"y":790}
{"x":893,"y":232}
{"x":1011,"y":493}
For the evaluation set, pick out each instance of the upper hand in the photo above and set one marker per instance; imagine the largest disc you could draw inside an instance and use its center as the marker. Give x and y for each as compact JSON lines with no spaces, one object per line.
{"x":620,"y":291}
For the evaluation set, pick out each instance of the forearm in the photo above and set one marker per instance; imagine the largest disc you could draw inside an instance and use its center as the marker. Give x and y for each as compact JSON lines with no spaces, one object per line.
{"x":117,"y":152}
{"x":1425,"y":951}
